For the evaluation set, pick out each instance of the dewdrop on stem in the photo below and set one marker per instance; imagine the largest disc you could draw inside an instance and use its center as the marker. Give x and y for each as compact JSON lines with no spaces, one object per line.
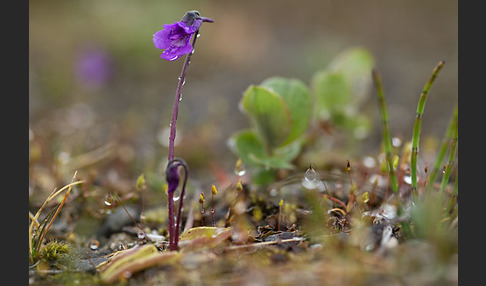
{"x":239,"y":168}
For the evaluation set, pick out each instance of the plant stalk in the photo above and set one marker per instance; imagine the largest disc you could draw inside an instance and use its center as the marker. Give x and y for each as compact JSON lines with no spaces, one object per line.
{"x":179,"y":211}
{"x":452,"y":153}
{"x":387,"y":141}
{"x":417,"y":127}
{"x":177,"y":100}
{"x":443,"y":148}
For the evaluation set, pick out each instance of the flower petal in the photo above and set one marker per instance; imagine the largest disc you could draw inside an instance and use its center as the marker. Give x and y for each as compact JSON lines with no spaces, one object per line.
{"x":191,"y":29}
{"x":174,"y":52}
{"x":161,"y":39}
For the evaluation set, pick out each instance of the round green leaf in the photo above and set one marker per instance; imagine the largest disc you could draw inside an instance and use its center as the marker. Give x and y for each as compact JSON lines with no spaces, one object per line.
{"x":269,"y":113}
{"x":355,"y":64}
{"x":248,"y":147}
{"x":298,"y":98}
{"x":332,"y":91}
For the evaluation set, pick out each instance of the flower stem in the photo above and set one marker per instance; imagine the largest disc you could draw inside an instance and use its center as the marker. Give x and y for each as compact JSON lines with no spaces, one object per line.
{"x":170,"y":198}
{"x":177,"y":100}
{"x":179,"y":211}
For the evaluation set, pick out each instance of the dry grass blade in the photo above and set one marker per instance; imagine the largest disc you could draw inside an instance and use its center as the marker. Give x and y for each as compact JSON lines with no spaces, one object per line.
{"x":36,"y":237}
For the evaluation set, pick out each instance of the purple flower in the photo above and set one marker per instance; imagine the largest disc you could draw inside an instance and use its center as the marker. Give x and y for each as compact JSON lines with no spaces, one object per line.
{"x":94,"y":67}
{"x":175,"y":38}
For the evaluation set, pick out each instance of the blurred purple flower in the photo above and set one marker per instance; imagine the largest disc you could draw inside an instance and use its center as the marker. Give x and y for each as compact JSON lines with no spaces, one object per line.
{"x":175,"y":38}
{"x":94,"y":67}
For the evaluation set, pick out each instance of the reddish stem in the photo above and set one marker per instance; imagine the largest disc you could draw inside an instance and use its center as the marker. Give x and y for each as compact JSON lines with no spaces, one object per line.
{"x":175,"y":112}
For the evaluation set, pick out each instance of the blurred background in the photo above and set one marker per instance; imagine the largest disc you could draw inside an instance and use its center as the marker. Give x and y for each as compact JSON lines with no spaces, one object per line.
{"x":99,"y":93}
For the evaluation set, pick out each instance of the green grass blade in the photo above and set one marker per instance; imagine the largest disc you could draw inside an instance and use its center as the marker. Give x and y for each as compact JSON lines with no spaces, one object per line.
{"x":442,"y":151}
{"x":452,"y":154}
{"x":418,"y":124}
{"x":386,"y":131}
{"x":39,"y":235}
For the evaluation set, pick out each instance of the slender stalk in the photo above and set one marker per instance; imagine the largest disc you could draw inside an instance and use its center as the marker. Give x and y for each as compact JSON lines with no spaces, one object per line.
{"x":417,"y":126}
{"x":453,"y":199}
{"x":280,"y":204}
{"x":452,"y":155}
{"x":214,"y":191}
{"x":443,"y":148}
{"x":176,"y":229}
{"x":170,"y":198}
{"x":212,"y":208}
{"x":387,"y":141}
{"x":177,"y":100}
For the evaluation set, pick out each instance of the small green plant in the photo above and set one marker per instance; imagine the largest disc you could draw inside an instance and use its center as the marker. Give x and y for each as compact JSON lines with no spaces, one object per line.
{"x":38,"y":230}
{"x":54,"y":250}
{"x":418,"y":124}
{"x":341,"y":88}
{"x":281,"y":111}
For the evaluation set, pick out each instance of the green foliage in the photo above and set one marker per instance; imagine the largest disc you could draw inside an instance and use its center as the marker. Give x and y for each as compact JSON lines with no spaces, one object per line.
{"x":280,"y":111}
{"x":341,"y":88}
{"x":54,"y":250}
{"x":431,"y":223}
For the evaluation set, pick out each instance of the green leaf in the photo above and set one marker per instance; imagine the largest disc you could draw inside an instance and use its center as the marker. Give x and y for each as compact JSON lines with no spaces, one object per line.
{"x":269,"y":114}
{"x":248,"y":147}
{"x":298,"y":98}
{"x":263,"y":177}
{"x":332,"y":91}
{"x":355,"y":64}
{"x":252,"y":152}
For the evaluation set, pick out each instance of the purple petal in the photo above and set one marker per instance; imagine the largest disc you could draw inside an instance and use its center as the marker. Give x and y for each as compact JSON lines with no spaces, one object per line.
{"x":161,"y":39}
{"x":191,"y":29}
{"x":174,"y":52}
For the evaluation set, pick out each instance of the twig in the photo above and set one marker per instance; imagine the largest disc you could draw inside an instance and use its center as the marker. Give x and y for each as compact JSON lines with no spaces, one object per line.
{"x":295,"y":239}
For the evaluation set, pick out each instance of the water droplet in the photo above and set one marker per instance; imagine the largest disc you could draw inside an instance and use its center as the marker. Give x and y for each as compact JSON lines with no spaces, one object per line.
{"x":94,"y":245}
{"x":273,"y":192}
{"x":310,"y":175}
{"x":198,"y":35}
{"x":311,"y":180}
{"x":407,"y":178}
{"x":176,"y":198}
{"x":369,"y":162}
{"x":109,"y":200}
{"x":141,"y":234}
{"x":396,"y":142}
{"x":240,"y":168}
{"x":389,"y":211}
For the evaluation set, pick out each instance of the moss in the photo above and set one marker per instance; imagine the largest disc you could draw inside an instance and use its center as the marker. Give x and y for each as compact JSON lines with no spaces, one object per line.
{"x":54,"y":250}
